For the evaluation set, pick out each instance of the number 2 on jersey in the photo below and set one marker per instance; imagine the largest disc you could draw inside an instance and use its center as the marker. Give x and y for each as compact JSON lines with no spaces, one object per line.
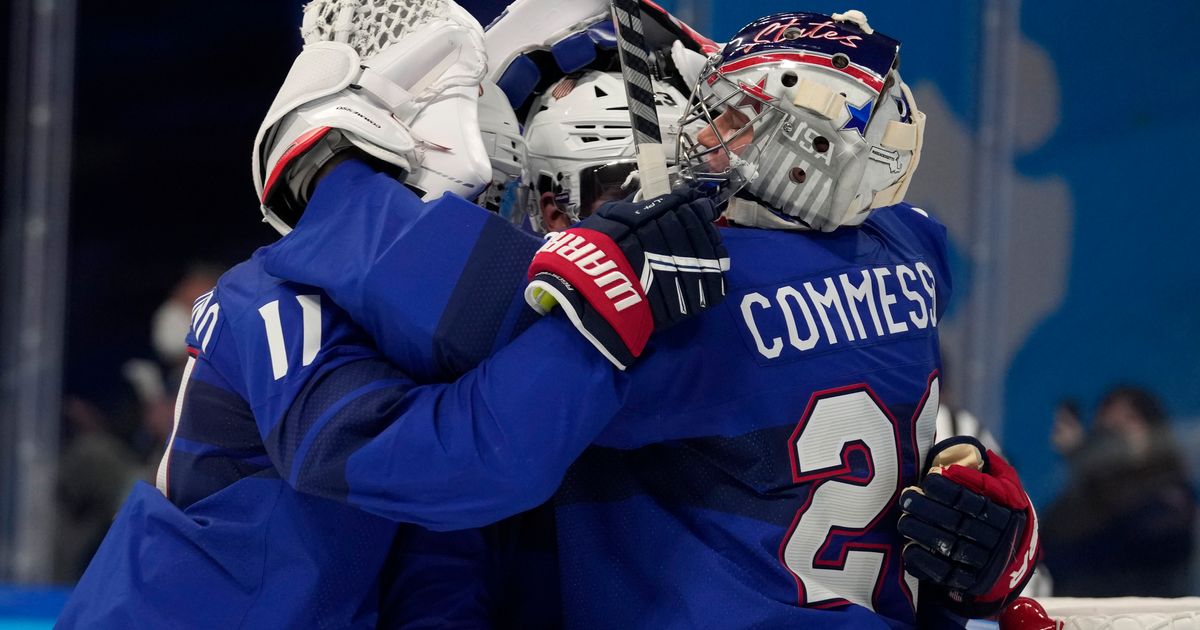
{"x":847,"y":445}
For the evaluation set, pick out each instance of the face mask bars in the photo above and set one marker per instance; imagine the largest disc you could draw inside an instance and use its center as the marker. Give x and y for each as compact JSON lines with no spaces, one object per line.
{"x":691,"y":153}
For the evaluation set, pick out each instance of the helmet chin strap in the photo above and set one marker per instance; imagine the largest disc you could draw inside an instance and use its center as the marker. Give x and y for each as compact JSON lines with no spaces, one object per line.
{"x":750,"y":213}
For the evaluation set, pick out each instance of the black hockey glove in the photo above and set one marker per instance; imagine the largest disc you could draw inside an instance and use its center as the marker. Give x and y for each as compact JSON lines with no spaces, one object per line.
{"x":972,"y":529}
{"x":632,"y":268}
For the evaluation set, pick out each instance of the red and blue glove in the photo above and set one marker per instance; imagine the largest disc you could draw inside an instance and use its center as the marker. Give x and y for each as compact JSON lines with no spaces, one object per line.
{"x":972,"y":531}
{"x":631,"y":268}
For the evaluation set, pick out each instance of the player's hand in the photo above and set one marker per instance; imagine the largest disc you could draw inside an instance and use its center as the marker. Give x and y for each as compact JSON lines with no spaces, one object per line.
{"x":972,"y":531}
{"x":632,"y":268}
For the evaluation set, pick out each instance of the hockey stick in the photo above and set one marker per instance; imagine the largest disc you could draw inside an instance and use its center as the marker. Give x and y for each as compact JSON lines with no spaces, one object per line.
{"x":643,"y":116}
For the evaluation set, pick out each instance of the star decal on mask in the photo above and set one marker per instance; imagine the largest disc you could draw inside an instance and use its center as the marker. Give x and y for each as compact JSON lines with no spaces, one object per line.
{"x":753,"y":95}
{"x":859,"y":116}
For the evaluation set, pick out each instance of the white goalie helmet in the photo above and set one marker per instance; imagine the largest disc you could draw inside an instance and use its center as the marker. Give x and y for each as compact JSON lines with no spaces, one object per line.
{"x":806,"y":115}
{"x":579,"y":144}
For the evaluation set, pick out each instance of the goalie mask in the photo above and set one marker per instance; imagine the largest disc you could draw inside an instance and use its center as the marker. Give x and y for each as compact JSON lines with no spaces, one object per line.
{"x":806,"y":114}
{"x":579,"y":145}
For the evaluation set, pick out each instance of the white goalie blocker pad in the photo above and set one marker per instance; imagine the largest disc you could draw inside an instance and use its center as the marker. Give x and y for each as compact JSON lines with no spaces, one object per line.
{"x":410,"y":101}
{"x":451,"y":155}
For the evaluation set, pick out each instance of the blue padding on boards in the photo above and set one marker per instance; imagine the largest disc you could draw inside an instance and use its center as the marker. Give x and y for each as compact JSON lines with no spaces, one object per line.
{"x":574,"y":52}
{"x":519,"y":79}
{"x":28,"y":603}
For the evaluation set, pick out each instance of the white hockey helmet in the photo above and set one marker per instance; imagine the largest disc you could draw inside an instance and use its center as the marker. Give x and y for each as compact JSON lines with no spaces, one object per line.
{"x":505,"y":148}
{"x":806,"y":114}
{"x":579,"y":144}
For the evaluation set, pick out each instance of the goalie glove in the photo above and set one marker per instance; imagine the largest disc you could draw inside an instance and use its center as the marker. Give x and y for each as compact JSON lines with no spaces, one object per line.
{"x":972,"y":530}
{"x":632,"y":268}
{"x":393,"y":79}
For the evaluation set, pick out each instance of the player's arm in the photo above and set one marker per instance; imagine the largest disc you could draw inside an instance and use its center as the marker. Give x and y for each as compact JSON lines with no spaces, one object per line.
{"x":439,"y":285}
{"x":340,"y":422}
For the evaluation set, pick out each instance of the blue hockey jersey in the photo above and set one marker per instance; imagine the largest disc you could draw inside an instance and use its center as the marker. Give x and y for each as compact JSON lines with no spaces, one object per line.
{"x":302,"y":463}
{"x":751,"y":475}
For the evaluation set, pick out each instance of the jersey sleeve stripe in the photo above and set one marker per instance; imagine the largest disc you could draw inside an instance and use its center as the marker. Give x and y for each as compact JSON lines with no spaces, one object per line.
{"x":329,"y":414}
{"x":254,"y":457}
{"x":161,"y":478}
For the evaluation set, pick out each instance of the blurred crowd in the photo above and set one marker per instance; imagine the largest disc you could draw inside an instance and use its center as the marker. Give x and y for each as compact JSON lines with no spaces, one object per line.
{"x":116,"y":436}
{"x":1125,"y":523}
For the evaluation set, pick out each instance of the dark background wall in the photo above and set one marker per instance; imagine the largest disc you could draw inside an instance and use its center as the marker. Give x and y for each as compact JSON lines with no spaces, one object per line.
{"x":166,"y":108}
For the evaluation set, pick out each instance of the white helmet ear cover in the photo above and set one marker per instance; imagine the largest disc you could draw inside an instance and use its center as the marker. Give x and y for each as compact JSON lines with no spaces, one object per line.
{"x":904,"y":136}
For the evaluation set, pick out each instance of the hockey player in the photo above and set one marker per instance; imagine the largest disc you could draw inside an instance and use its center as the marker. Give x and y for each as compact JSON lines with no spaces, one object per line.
{"x":301,"y":461}
{"x":773,"y":462}
{"x":579,"y":146}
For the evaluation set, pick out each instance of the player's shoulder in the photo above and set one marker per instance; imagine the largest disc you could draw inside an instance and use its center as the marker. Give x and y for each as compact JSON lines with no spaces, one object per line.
{"x":242,"y":297}
{"x":911,"y":227}
{"x":212,"y":312}
{"x":910,"y":218}
{"x":894,"y":234}
{"x":247,"y":288}
{"x":245,"y":284}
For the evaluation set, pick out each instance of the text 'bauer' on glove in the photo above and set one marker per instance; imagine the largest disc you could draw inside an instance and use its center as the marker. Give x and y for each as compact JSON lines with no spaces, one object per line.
{"x":632,"y":268}
{"x":973,"y":531}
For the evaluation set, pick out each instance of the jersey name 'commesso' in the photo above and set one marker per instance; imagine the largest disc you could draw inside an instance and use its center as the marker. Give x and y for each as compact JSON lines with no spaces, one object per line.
{"x":860,"y":305}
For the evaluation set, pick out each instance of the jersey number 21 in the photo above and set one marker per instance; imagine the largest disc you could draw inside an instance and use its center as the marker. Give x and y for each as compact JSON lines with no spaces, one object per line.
{"x":824,"y":549}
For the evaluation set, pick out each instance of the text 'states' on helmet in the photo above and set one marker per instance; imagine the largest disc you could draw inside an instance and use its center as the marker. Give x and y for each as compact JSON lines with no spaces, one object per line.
{"x":806,"y":114}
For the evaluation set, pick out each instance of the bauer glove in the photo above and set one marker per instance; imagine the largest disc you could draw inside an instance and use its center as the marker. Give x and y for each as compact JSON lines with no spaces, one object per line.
{"x":632,"y":268}
{"x":972,"y":531}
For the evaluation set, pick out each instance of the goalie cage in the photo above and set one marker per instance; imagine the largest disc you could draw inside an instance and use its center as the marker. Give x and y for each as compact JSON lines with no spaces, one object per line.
{"x":368,"y":26}
{"x":1117,"y":613}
